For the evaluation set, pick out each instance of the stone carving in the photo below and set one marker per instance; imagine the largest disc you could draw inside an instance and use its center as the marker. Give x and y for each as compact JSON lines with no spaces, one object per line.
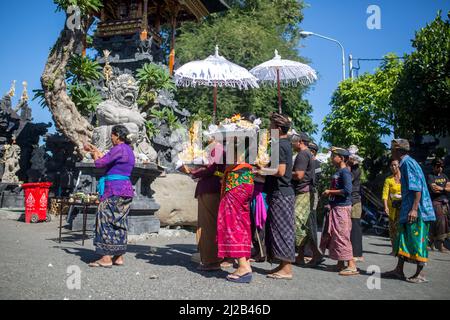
{"x":17,"y":122}
{"x":10,"y":160}
{"x":121,"y":108}
{"x":38,"y":170}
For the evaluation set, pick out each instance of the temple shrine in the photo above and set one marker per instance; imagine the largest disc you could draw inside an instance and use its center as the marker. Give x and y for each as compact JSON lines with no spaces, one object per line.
{"x":132,"y":30}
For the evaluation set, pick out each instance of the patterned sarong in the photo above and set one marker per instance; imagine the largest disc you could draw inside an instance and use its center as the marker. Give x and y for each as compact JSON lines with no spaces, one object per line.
{"x":280,"y":238}
{"x":302,"y":212}
{"x":234,"y":235}
{"x":111,"y":231}
{"x":336,"y":234}
{"x":412,"y":240}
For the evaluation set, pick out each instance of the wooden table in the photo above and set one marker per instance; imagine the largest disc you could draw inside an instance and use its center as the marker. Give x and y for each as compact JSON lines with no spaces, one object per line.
{"x":84,"y":205}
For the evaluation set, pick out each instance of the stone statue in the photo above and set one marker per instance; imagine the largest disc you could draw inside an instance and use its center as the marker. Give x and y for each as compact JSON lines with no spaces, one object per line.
{"x":11,"y":159}
{"x":121,"y":108}
{"x":38,"y":169}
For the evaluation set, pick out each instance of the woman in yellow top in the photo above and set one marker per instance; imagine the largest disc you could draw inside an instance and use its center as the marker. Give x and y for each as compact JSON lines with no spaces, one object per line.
{"x":392,"y":197}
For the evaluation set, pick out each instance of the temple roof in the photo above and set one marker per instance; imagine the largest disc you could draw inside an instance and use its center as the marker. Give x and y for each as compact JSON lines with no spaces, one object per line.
{"x":187,"y":9}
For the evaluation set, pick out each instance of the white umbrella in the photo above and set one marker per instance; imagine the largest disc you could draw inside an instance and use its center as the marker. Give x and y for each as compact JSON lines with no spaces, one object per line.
{"x":215,"y":71}
{"x":284,"y":72}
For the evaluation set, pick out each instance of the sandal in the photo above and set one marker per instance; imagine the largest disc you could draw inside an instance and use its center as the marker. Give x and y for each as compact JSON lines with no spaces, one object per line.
{"x":97,"y":264}
{"x":246,"y":278}
{"x":417,"y":280}
{"x":349,"y":272}
{"x":278,"y":276}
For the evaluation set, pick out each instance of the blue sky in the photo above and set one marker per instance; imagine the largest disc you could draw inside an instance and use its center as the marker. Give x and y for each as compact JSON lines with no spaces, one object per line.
{"x":29,"y":28}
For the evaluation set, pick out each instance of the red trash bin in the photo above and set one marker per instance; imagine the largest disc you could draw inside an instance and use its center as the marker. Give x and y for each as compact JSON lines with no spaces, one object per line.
{"x":36,"y":201}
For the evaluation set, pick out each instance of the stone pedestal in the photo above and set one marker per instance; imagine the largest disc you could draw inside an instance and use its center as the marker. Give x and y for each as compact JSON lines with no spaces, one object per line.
{"x":142,"y":218}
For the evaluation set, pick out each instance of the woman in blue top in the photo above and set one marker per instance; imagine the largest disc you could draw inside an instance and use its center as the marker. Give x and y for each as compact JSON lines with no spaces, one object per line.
{"x":338,"y":226}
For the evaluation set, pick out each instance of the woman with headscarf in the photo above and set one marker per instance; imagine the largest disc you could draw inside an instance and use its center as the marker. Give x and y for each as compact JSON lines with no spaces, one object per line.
{"x":234,"y":238}
{"x":392,"y":198}
{"x":116,"y":194}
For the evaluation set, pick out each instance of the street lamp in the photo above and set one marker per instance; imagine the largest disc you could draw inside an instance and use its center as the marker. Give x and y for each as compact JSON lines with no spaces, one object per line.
{"x":307,"y":34}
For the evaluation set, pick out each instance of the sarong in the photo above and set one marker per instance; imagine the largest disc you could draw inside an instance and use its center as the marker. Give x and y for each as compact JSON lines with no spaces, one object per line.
{"x":412,"y":240}
{"x":336,"y":234}
{"x":234,"y":236}
{"x":439,"y":228}
{"x":302,"y":212}
{"x":111,"y":231}
{"x":208,"y":207}
{"x":280,"y":228}
{"x":259,"y":209}
{"x":356,"y":235}
{"x":312,"y":220}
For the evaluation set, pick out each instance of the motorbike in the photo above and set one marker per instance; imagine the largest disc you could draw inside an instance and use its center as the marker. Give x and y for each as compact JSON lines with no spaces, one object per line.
{"x":375,"y":219}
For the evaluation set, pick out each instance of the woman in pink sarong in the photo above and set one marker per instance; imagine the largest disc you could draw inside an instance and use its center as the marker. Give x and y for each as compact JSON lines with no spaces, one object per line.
{"x":234,"y":237}
{"x":338,"y":225}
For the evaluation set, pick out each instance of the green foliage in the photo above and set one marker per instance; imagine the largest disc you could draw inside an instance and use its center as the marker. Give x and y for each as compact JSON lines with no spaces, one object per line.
{"x":167,"y":116}
{"x":362,"y":112}
{"x":86,"y":6}
{"x":39,"y":95}
{"x":152,"y":130}
{"x":422,"y":96}
{"x":82,"y":69}
{"x":85,"y":97}
{"x":247,"y":35}
{"x":153,"y":77}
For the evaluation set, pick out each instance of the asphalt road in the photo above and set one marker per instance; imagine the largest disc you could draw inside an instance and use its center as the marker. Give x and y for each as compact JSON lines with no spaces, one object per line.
{"x":33,"y":265}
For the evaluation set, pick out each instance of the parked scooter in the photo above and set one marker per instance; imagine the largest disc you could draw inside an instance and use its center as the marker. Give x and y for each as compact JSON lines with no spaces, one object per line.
{"x":376,"y":220}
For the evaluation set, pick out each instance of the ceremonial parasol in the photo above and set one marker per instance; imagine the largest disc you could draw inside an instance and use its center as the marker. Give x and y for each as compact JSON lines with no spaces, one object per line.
{"x":215,"y":71}
{"x":284,"y":72}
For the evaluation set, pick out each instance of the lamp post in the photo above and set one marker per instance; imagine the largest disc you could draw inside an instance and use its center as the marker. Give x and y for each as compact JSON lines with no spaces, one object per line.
{"x":307,"y":34}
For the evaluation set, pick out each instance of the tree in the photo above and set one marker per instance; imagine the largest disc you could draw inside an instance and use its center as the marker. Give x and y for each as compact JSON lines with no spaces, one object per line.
{"x":421,"y":98}
{"x":362,"y":112}
{"x":66,"y":115}
{"x":247,"y":34}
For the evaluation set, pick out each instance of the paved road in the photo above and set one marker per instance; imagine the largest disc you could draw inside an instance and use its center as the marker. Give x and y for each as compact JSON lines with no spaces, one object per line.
{"x":33,"y":265}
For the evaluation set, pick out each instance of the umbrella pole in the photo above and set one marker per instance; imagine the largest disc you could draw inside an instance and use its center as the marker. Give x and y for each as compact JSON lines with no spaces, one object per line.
{"x":215,"y":103}
{"x":279,"y":91}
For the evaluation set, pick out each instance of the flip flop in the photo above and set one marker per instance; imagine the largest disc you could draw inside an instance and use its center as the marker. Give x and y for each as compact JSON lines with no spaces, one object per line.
{"x":97,"y":264}
{"x":417,"y":280}
{"x":278,"y":276}
{"x":349,"y":272}
{"x":246,"y":278}
{"x":314,"y":264}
